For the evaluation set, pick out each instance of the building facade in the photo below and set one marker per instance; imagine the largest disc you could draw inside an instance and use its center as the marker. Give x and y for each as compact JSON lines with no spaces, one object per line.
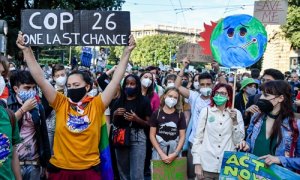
{"x":279,"y":54}
{"x":191,"y":34}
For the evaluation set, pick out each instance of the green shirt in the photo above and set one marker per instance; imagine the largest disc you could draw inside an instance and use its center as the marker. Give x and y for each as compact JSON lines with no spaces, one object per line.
{"x":7,"y":141}
{"x":262,"y":144}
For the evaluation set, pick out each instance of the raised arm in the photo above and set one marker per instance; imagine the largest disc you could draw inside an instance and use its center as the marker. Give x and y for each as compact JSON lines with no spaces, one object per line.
{"x":111,"y":88}
{"x":36,"y":71}
{"x":185,"y":92}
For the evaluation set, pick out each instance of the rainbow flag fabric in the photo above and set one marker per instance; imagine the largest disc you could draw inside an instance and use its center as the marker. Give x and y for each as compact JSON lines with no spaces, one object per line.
{"x":105,"y":157}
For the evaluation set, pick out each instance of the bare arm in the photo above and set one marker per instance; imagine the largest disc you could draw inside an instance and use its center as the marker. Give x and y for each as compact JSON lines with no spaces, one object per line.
{"x":111,"y":88}
{"x":154,"y":141}
{"x":36,"y":71}
{"x":181,"y":140}
{"x":182,"y":90}
{"x":16,"y":164}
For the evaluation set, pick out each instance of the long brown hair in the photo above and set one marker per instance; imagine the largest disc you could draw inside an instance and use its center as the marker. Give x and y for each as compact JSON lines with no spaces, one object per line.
{"x":278,"y":88}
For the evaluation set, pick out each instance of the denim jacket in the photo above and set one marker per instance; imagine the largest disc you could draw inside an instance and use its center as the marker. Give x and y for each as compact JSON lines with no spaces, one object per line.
{"x":283,"y":150}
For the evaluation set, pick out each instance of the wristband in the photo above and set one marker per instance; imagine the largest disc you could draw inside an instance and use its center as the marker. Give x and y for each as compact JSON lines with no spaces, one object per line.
{"x":22,"y":111}
{"x":177,"y":153}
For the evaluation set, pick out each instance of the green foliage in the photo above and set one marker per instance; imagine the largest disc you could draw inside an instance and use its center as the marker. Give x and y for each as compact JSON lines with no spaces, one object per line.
{"x":292,"y":27}
{"x":153,"y":49}
{"x":10,"y":10}
{"x":49,"y":61}
{"x":112,"y":58}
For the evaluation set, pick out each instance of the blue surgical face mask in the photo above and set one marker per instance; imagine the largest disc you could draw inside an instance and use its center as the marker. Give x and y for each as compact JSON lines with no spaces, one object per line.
{"x":129,"y":91}
{"x":25,"y":95}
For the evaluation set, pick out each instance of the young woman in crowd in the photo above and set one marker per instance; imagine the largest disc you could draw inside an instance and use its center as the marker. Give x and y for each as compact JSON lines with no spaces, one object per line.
{"x":148,"y":90}
{"x":78,"y":118}
{"x":167,"y":132}
{"x":219,"y":129}
{"x":196,"y":85}
{"x":273,"y":133}
{"x":170,"y":80}
{"x":132,"y":111}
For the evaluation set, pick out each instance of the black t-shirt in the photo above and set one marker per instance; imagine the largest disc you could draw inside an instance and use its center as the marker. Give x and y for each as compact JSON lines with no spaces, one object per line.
{"x":168,"y":125}
{"x":141,"y":106}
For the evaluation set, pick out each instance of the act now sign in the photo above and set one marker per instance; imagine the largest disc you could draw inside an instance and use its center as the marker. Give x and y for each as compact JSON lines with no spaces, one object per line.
{"x":78,"y":27}
{"x":239,"y":165}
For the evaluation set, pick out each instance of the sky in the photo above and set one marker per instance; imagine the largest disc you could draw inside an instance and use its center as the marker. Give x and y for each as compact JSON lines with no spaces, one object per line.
{"x":183,"y":13}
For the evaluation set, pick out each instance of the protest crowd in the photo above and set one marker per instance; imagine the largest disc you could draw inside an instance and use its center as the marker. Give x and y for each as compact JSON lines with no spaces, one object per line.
{"x":53,"y":118}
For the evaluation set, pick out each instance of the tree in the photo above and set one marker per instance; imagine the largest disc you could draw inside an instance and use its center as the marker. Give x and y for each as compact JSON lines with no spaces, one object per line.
{"x":292,"y":27}
{"x":10,"y":10}
{"x":153,"y":49}
{"x":112,"y":58}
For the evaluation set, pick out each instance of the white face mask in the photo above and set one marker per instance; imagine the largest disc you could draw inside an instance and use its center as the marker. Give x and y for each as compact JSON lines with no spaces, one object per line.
{"x":170,"y":102}
{"x":146,"y":82}
{"x":196,"y":85}
{"x":169,"y":85}
{"x":61,"y":81}
{"x":2,"y":84}
{"x":205,"y":91}
{"x":93,"y":93}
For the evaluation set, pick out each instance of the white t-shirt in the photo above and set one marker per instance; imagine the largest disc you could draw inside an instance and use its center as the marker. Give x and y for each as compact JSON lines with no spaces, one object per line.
{"x":197,"y":104}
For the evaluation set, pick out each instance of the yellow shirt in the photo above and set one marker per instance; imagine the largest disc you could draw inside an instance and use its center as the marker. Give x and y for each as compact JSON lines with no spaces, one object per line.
{"x":77,"y":135}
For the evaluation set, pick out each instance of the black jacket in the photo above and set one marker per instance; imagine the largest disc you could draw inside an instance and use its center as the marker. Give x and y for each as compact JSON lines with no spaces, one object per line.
{"x":39,"y":120}
{"x":241,"y":106}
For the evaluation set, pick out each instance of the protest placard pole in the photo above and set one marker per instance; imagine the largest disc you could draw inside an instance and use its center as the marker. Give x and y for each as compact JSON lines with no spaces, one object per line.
{"x":233,"y":91}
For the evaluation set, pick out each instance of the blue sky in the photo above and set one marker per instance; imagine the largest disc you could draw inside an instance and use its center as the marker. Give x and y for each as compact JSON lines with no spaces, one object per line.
{"x":186,"y":13}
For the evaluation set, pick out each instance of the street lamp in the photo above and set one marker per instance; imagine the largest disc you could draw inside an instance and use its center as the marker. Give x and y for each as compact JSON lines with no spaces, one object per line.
{"x":3,"y":33}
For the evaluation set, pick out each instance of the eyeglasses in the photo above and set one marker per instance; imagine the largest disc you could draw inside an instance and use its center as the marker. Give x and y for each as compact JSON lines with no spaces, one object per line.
{"x":221,"y":93}
{"x":265,"y":80}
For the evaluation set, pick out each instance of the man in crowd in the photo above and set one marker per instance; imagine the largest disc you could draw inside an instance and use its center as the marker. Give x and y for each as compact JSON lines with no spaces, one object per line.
{"x":34,"y":150}
{"x":197,"y":101}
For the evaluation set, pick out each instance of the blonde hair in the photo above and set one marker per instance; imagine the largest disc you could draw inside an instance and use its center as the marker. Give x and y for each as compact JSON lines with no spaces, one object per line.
{"x":163,"y":97}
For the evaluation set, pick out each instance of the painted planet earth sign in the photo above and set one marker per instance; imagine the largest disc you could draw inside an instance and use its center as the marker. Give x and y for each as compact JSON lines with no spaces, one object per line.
{"x":238,"y":41}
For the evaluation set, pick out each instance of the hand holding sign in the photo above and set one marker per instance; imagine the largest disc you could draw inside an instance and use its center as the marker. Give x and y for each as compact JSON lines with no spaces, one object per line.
{"x":269,"y":159}
{"x":185,"y":62}
{"x":20,"y":41}
{"x":132,"y":43}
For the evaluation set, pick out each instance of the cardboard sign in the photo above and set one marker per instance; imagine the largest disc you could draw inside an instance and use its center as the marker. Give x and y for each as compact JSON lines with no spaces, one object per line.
{"x":271,"y":12}
{"x":238,"y":165}
{"x":238,"y":41}
{"x":193,"y":52}
{"x":78,"y":27}
{"x":177,"y":170}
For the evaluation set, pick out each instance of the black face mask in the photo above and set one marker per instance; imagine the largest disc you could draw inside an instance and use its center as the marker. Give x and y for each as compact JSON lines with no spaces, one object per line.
{"x":76,"y":94}
{"x":130,"y":91}
{"x":264,"y":105}
{"x":184,"y":83}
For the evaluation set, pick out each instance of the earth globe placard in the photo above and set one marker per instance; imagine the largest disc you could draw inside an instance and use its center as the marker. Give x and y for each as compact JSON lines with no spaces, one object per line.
{"x":238,"y":41}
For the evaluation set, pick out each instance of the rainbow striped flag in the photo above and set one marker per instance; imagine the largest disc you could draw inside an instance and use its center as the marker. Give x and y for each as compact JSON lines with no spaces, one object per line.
{"x":105,"y":158}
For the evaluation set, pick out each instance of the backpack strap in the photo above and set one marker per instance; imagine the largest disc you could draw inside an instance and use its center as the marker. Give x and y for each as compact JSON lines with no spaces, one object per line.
{"x":12,"y":118}
{"x":205,"y":119}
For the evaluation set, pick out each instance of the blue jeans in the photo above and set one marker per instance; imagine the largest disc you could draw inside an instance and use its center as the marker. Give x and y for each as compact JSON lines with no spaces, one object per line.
{"x":30,"y":172}
{"x":131,"y":159}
